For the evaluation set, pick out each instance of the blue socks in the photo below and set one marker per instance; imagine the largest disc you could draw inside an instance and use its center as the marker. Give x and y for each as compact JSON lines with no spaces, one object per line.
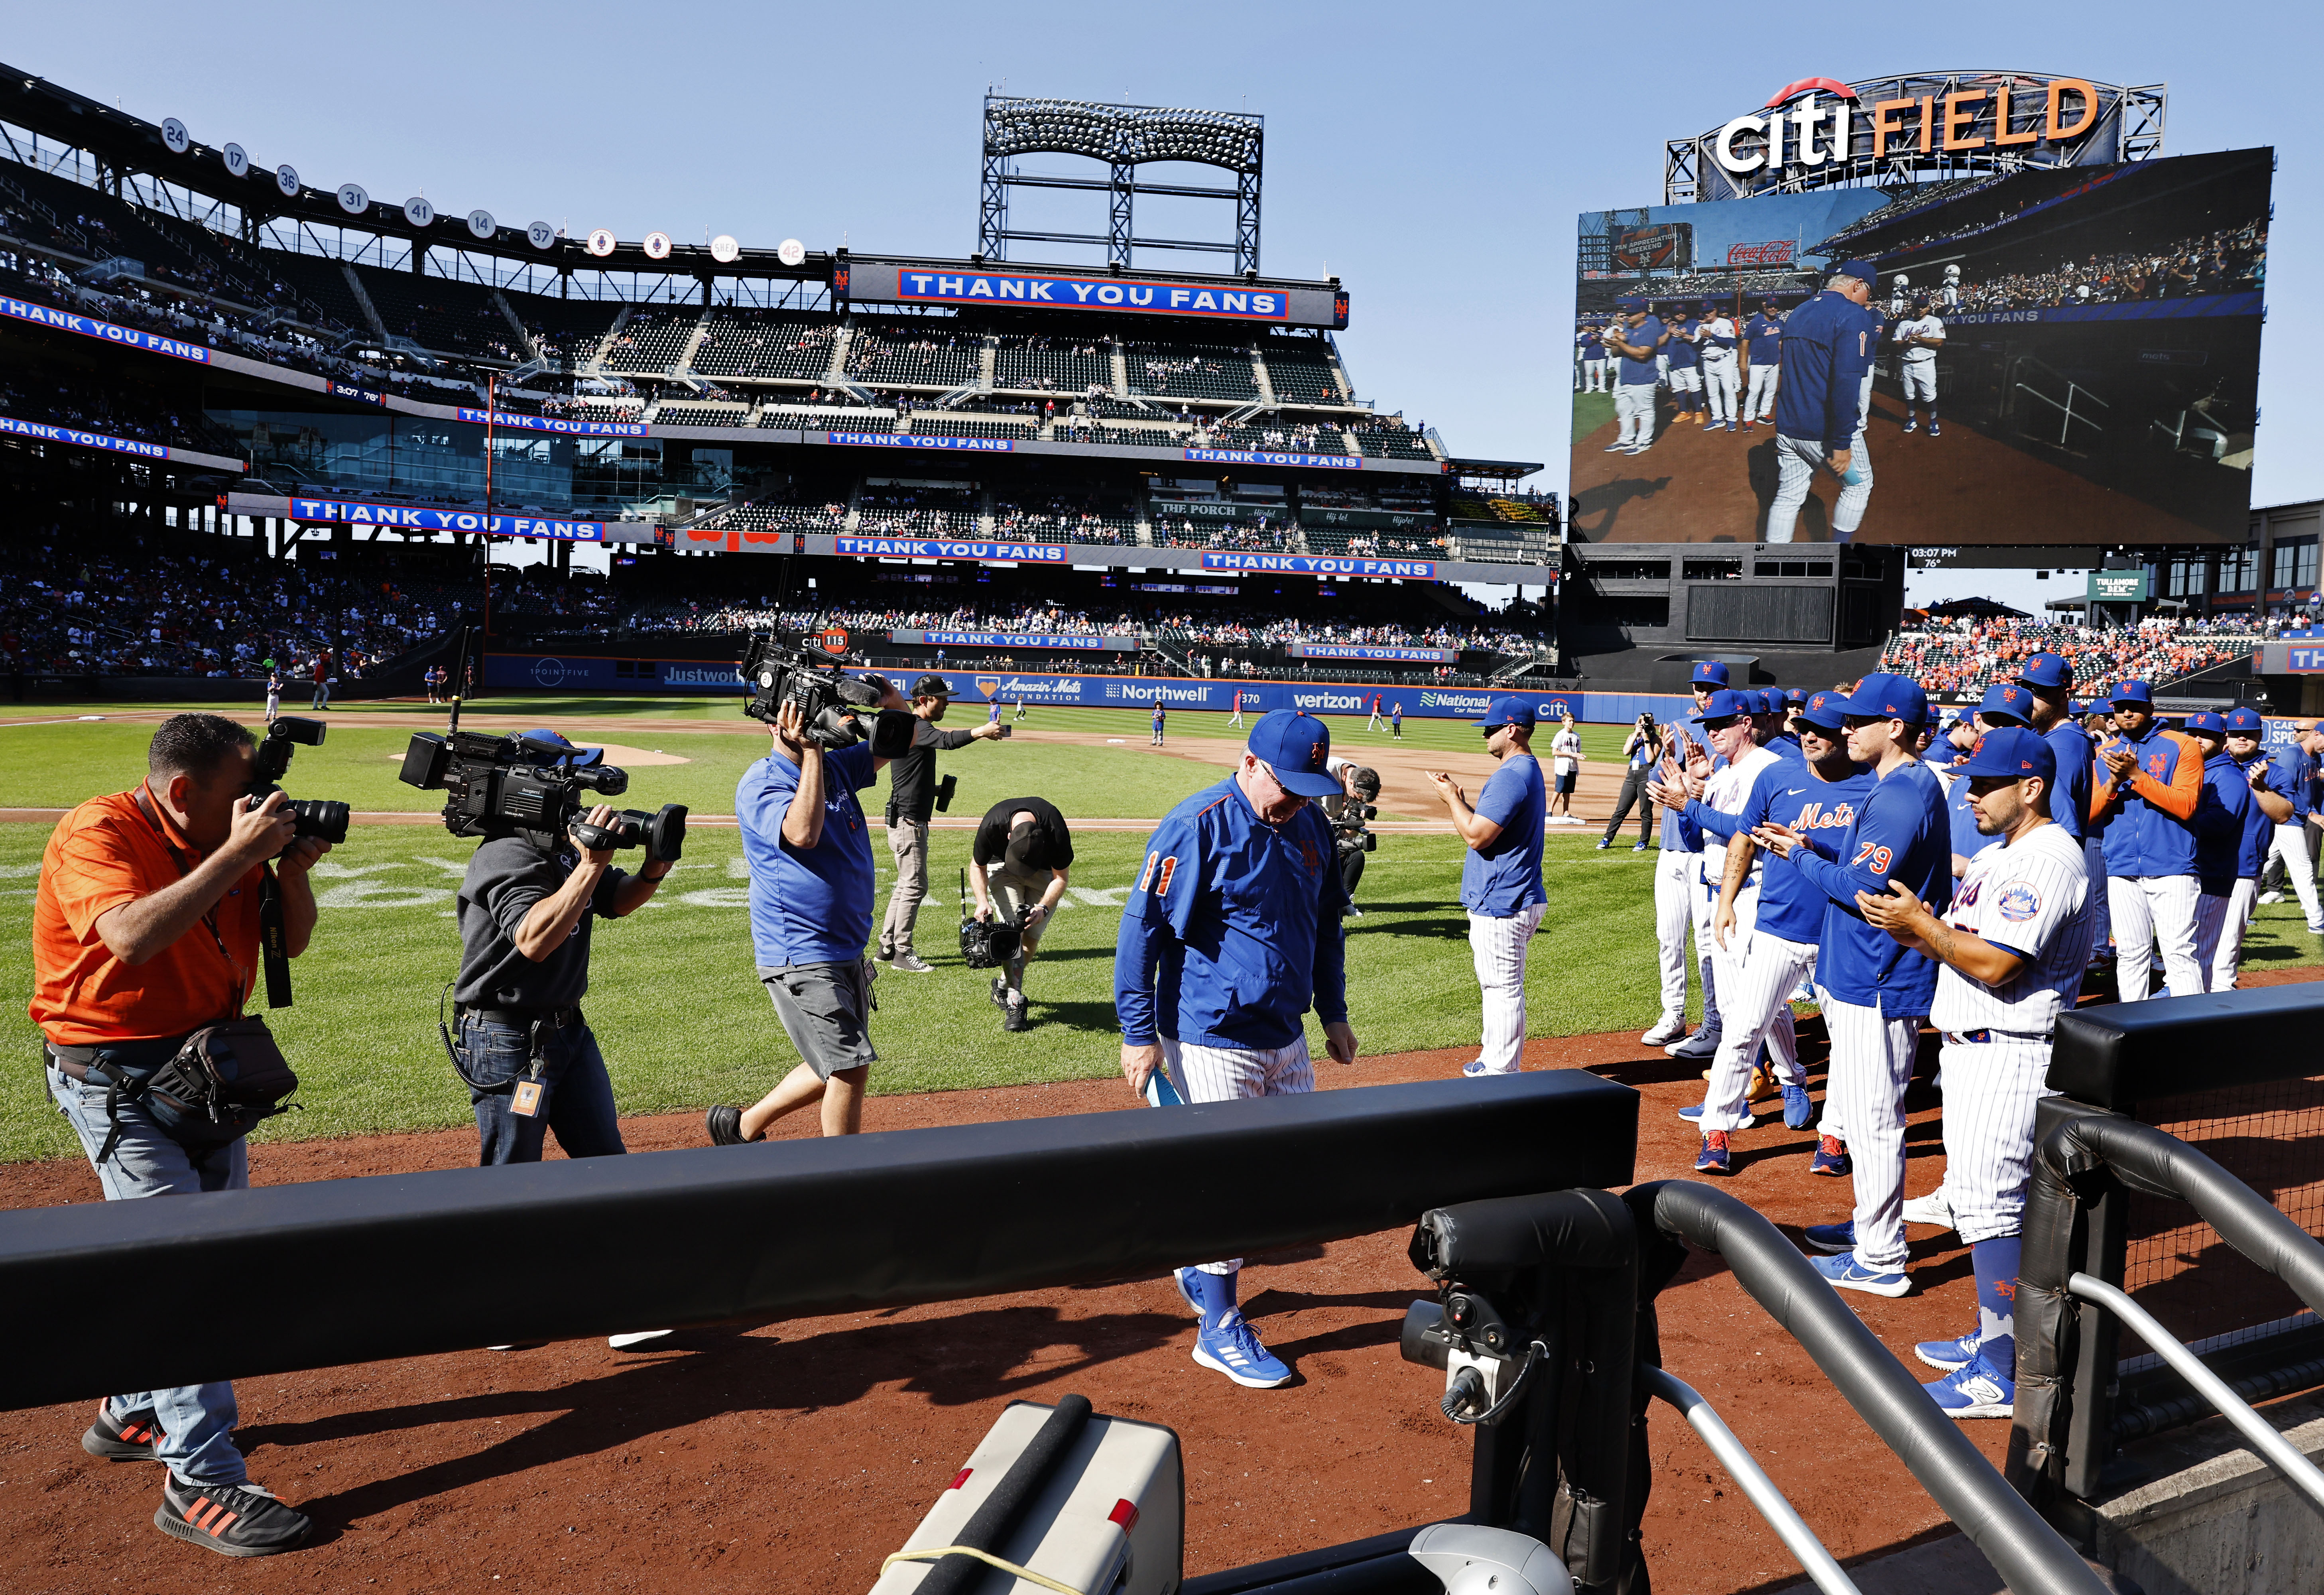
{"x":1996,"y":1262}
{"x":1214,"y":1294}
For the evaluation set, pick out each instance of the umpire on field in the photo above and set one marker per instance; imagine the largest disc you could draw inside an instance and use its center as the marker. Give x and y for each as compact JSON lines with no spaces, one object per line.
{"x":1231,"y":933}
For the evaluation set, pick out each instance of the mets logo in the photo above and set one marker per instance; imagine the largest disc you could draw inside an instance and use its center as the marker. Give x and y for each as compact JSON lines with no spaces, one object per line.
{"x":2155,"y":764}
{"x":2019,"y":902}
{"x":988,"y":685}
{"x":1315,"y":756}
{"x":1815,"y":817}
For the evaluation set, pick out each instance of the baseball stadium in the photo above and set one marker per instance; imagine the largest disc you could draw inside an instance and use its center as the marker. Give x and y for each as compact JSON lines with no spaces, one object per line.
{"x":1689,"y":1072}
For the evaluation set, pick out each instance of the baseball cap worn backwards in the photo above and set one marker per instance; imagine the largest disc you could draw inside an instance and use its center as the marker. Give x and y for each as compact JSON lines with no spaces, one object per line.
{"x":2046,"y":672}
{"x":2015,"y":751}
{"x":1884,"y":697}
{"x":1825,"y":710}
{"x":2006,"y":698}
{"x":2133,"y":692}
{"x":1507,"y":709}
{"x":1298,"y":748}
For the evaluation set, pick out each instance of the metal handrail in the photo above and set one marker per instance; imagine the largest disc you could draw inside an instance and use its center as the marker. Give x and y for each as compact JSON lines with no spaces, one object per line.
{"x":2280,"y":1454}
{"x":1798,"y":1538}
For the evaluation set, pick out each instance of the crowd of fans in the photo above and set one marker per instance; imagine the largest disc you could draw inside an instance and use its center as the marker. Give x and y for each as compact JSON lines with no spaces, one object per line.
{"x":1964,"y":657}
{"x":2231,"y":260}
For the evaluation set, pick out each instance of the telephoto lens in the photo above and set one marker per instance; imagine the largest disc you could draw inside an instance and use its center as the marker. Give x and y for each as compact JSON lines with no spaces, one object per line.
{"x":317,"y":816}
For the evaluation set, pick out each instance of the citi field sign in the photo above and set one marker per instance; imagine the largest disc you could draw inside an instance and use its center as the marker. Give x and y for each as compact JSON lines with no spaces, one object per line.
{"x":1819,"y":121}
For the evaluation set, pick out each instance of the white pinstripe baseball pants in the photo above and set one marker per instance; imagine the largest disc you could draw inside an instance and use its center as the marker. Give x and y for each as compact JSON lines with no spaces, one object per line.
{"x":2101,"y":917}
{"x":1871,"y":1065}
{"x":2220,"y":925}
{"x":2148,"y":910}
{"x":1759,"y":975}
{"x":1991,"y":1088}
{"x":1496,"y":945}
{"x":1231,"y":1075}
{"x":1678,"y":890}
{"x":1760,"y":403}
{"x":1720,"y":379}
{"x":2291,"y":845}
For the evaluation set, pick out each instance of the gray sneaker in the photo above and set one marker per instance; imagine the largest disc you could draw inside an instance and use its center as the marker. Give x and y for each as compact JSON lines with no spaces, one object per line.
{"x":911,"y":963}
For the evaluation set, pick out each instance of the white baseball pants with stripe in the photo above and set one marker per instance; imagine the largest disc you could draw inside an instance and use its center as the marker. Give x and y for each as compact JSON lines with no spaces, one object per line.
{"x":2220,"y":925}
{"x":1678,"y":888}
{"x":1720,"y":379}
{"x":1758,"y":973}
{"x":2291,"y":846}
{"x":1871,"y":1065}
{"x":1760,"y":401}
{"x":2150,"y":911}
{"x":1699,"y":904}
{"x":1633,"y":414}
{"x":1990,"y":1090}
{"x":2101,"y":916}
{"x":1231,"y":1075}
{"x":1497,"y":943}
{"x":1797,"y":461}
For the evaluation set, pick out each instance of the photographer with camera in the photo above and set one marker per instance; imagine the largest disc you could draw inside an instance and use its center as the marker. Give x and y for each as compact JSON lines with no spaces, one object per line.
{"x":809,"y":851}
{"x":1351,"y":842}
{"x":1642,"y":750}
{"x":913,"y":796}
{"x":1019,"y":870}
{"x":526,"y":906}
{"x":147,"y":933}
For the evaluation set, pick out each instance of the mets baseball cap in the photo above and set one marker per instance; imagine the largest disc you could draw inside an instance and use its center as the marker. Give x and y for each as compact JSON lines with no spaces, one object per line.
{"x":932,"y":685}
{"x":1862,"y":271}
{"x":2006,"y":698}
{"x":1824,"y":710}
{"x":2132,"y":692}
{"x":1883,"y":696}
{"x":1507,"y":709}
{"x":1795,"y":697}
{"x":1710,"y":673}
{"x":2246,"y":721}
{"x":1298,"y":748}
{"x":2046,"y":672}
{"x":1709,"y":307}
{"x":2012,"y":751}
{"x":556,"y":739}
{"x":1726,"y":705}
{"x":2204,"y":720}
{"x":1633,"y":305}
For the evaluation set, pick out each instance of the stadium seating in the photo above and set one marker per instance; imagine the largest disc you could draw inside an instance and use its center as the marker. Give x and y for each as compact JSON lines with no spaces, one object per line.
{"x":440,"y":314}
{"x":766,"y":344}
{"x":703,"y":415}
{"x":1063,"y":517}
{"x":1142,"y":437}
{"x":1963,"y":659}
{"x":929,"y":357}
{"x":1299,"y":371}
{"x":1189,"y":370}
{"x":951,"y":424}
{"x":1392,"y":442}
{"x":808,"y":419}
{"x":651,"y":342}
{"x":1306,"y":439}
{"x":324,"y":283}
{"x":1059,"y":365}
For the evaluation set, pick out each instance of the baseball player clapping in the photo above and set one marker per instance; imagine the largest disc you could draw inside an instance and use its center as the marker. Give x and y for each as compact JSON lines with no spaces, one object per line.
{"x":2010,"y":951}
{"x":2150,"y":782}
{"x":1231,"y":934}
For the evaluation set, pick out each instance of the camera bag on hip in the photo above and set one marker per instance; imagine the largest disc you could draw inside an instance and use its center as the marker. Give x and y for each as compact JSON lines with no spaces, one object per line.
{"x":214,"y":1091}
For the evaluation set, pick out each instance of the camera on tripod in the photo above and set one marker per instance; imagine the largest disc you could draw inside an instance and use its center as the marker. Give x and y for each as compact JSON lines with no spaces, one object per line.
{"x":501,"y":785}
{"x":313,"y":817}
{"x":829,"y":699}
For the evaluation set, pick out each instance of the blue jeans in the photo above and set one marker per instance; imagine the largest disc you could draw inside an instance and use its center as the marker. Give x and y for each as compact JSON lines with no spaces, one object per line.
{"x":576,"y":1098}
{"x":196,"y":1421}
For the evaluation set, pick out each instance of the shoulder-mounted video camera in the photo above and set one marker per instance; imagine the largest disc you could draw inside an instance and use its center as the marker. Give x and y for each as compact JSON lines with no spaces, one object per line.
{"x":314,"y":817}
{"x":1347,"y":815}
{"x":499,"y":786}
{"x":829,"y":699}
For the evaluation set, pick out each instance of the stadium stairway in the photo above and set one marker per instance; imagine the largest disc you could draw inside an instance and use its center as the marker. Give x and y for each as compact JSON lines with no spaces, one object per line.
{"x":363,"y":301}
{"x":1264,"y":381}
{"x":1120,"y":364}
{"x":595,"y":363}
{"x":508,"y":314}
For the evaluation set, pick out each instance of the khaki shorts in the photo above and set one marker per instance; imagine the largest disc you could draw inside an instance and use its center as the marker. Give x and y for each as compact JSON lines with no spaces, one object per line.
{"x":1015,"y":890}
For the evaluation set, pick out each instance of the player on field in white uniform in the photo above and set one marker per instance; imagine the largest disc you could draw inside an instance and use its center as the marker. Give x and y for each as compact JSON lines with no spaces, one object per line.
{"x":1636,"y":346}
{"x":1918,"y":339}
{"x":2010,"y":951}
{"x":1684,"y":355}
{"x":1721,"y":376}
{"x":1676,"y":868}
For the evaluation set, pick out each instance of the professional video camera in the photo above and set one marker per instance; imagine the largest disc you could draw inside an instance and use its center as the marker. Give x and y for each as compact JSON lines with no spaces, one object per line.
{"x":829,"y":699}
{"x":313,"y":817}
{"x":504,"y":785}
{"x":1348,"y":816}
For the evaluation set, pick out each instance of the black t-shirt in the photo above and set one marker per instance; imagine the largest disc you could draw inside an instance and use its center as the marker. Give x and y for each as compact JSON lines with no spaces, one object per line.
{"x":505,"y":879}
{"x":912,"y":779}
{"x":1053,"y":842}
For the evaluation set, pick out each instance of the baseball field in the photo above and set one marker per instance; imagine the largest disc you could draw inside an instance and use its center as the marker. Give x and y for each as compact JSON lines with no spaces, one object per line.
{"x":794,"y":1455}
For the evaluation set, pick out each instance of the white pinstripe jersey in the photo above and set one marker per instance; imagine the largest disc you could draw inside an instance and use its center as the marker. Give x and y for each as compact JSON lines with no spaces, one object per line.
{"x":2030,"y":895}
{"x":1726,"y":790}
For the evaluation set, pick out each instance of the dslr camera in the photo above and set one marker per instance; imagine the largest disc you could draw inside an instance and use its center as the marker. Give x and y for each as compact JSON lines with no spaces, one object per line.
{"x":780,"y":671}
{"x":499,"y":786}
{"x":313,"y":817}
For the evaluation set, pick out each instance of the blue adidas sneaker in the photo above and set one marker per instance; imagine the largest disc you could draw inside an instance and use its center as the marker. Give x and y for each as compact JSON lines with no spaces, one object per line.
{"x":1799,"y":1112}
{"x":1945,"y":1356}
{"x":1832,"y":1239}
{"x":1229,"y":1346}
{"x":1974,"y":1390}
{"x":1845,"y":1273}
{"x":1694,"y":1116}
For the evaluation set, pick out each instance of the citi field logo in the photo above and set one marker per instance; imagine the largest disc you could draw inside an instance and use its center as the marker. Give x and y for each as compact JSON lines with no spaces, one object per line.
{"x":1814,"y":122}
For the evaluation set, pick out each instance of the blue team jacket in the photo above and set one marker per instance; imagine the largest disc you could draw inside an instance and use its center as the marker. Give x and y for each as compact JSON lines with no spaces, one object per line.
{"x":1827,"y":348}
{"x":2150,"y":818}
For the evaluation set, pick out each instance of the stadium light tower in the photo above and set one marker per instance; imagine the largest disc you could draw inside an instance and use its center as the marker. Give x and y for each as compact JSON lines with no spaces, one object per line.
{"x":1123,"y":137}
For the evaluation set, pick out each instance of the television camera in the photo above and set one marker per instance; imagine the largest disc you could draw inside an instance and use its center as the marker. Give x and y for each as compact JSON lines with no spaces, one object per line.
{"x":504,"y":785}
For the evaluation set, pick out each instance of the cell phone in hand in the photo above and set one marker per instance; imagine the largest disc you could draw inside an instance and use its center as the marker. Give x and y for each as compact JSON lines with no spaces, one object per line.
{"x":1160,"y":1092}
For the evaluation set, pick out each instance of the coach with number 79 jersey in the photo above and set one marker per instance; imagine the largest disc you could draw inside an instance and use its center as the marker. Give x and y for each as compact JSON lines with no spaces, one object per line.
{"x":1230,"y":934}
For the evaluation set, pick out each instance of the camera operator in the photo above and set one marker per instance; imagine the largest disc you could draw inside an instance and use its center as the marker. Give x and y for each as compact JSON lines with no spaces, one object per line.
{"x":911,"y":799}
{"x":1029,"y":840}
{"x":1642,"y":750}
{"x":529,"y":1056}
{"x":145,"y":929}
{"x":809,"y":850}
{"x":1360,"y":787}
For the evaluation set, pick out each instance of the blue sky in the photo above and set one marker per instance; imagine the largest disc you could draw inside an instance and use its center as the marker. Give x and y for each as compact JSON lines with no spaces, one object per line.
{"x":1434,"y":157}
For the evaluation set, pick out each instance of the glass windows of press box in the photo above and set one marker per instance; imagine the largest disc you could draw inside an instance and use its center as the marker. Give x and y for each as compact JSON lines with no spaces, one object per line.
{"x":2295,"y":563}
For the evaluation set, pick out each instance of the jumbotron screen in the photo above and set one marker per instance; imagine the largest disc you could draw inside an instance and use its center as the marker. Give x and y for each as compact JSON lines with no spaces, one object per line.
{"x":2057,"y":356}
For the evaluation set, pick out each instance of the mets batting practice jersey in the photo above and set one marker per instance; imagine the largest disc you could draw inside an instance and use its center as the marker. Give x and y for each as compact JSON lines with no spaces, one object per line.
{"x":2259,"y":830}
{"x":1790,"y":906}
{"x":2030,"y":896}
{"x":1681,"y":348}
{"x":1762,"y":335}
{"x":2070,"y":799}
{"x":1641,"y":374}
{"x":1826,"y":350}
{"x":2220,"y":815}
{"x":1899,"y":835}
{"x":1232,"y":931}
{"x":2152,"y":832}
{"x":1504,"y":876}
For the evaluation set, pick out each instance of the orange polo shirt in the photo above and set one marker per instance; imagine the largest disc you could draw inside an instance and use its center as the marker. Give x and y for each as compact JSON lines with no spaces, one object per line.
{"x":101,"y":856}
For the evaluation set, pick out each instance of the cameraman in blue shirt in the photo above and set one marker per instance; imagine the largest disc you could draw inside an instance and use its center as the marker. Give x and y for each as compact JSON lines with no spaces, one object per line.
{"x":809,"y":851}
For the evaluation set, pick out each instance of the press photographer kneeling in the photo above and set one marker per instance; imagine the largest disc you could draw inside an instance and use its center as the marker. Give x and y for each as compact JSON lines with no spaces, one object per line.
{"x":1020,"y":866}
{"x":148,"y":931}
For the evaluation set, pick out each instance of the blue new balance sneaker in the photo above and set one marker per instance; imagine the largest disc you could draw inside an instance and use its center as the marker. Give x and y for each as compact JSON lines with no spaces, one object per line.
{"x":1832,"y":1239}
{"x":1831,"y":1158}
{"x":1799,"y":1112}
{"x":1694,"y":1116}
{"x":1974,"y":1390}
{"x":1229,"y":1346}
{"x":1846,"y":1273}
{"x":1945,"y":1356}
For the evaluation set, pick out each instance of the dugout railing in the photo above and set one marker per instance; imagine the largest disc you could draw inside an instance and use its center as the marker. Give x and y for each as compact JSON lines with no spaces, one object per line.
{"x":2182,"y":1121}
